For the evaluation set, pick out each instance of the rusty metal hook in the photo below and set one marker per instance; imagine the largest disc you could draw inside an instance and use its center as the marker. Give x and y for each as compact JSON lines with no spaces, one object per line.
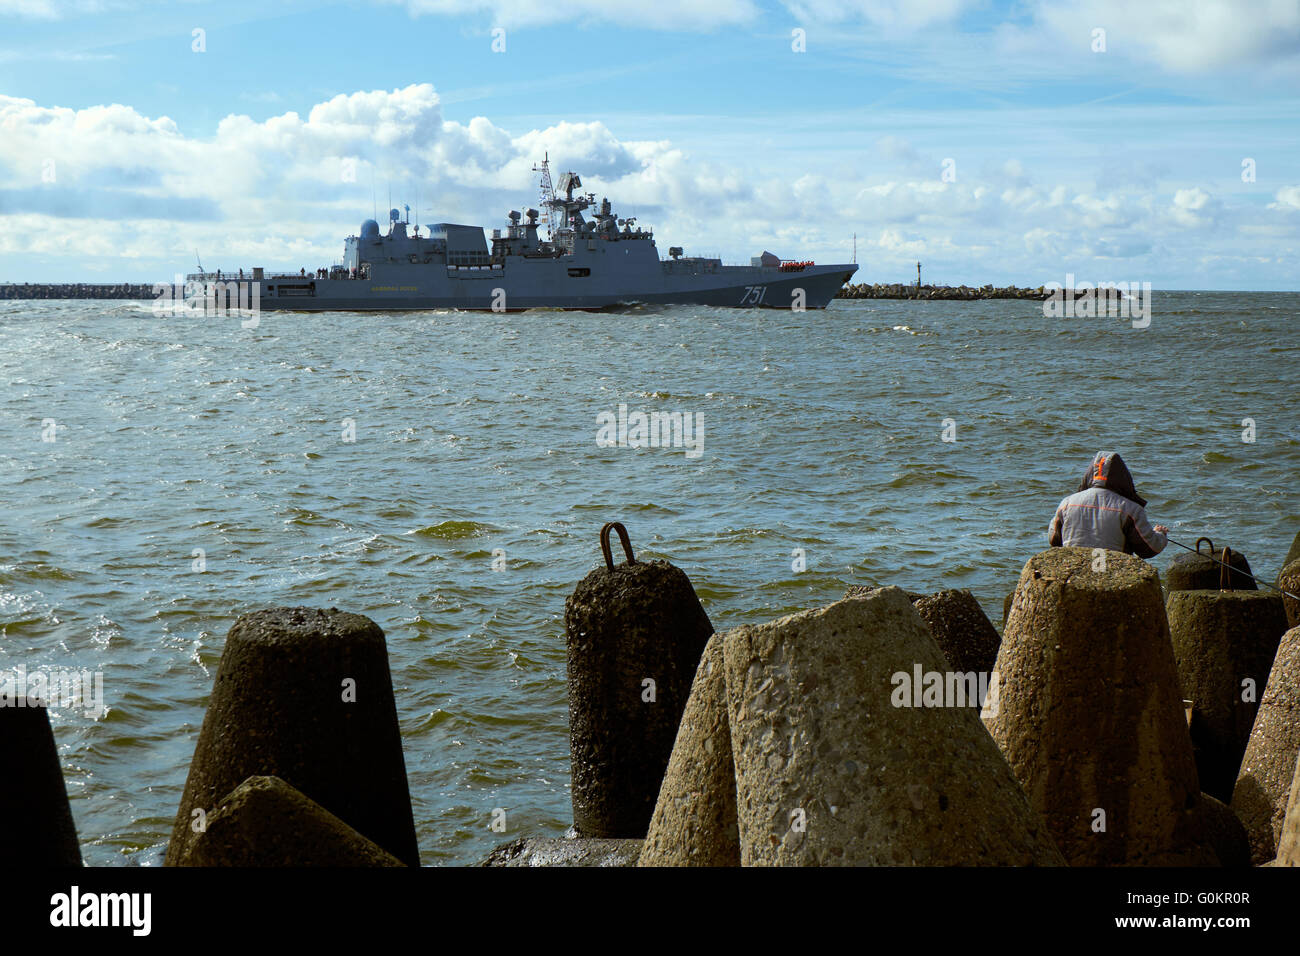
{"x":622,"y":536}
{"x":1225,"y":570}
{"x":1208,"y":541}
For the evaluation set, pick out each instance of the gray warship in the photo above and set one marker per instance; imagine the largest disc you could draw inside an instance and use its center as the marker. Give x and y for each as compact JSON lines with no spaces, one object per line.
{"x":595,"y":261}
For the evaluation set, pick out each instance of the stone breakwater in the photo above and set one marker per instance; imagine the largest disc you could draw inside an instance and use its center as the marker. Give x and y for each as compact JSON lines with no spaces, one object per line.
{"x":961,"y":292}
{"x":77,"y":290}
{"x":783,"y":743}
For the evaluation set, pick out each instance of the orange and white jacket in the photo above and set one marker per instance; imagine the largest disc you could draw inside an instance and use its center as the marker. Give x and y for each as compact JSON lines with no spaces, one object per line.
{"x":1106,"y":512}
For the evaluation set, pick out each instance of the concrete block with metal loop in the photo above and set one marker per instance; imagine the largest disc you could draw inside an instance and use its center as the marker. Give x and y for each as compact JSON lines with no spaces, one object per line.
{"x":1224,"y":644}
{"x":1205,"y":571}
{"x":635,"y":633}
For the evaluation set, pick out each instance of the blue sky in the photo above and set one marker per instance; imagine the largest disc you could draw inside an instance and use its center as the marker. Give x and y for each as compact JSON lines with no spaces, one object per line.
{"x":123,"y":149}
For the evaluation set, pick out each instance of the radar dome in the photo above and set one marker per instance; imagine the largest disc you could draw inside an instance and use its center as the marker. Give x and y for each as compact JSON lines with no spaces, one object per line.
{"x":370,"y":229}
{"x":394,"y":215}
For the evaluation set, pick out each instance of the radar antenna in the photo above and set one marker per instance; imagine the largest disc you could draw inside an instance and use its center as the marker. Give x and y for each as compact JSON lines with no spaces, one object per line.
{"x":547,"y":191}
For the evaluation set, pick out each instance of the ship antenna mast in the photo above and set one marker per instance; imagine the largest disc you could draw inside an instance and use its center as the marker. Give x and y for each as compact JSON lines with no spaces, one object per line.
{"x":547,"y":191}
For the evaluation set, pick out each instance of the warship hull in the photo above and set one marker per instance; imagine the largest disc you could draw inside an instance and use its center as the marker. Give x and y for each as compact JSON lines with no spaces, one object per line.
{"x":489,"y":290}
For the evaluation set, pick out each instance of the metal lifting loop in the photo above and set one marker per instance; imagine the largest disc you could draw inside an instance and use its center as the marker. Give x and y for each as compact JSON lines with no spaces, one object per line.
{"x":1274,"y":587}
{"x":1207,"y":541}
{"x":622,"y":536}
{"x":1225,"y":570}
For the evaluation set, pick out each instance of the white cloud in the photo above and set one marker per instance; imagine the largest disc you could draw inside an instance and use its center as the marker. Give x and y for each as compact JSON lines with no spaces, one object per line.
{"x":1191,"y":199}
{"x":658,"y":15}
{"x":900,"y":150}
{"x":1288,"y":198}
{"x":56,"y":56}
{"x":893,"y":241}
{"x":32,"y":9}
{"x":55,"y":9}
{"x":1193,"y":207}
{"x":1021,"y":196}
{"x":899,"y":14}
{"x":1180,"y":36}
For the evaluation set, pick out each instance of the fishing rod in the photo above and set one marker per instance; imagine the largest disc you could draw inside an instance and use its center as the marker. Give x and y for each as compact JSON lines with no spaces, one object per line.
{"x":1229,"y":567}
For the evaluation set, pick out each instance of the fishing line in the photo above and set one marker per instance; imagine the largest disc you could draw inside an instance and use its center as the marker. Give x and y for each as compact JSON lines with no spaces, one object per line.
{"x":1231,"y":568}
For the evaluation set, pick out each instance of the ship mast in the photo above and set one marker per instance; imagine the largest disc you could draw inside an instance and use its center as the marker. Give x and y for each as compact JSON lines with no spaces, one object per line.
{"x":547,"y":190}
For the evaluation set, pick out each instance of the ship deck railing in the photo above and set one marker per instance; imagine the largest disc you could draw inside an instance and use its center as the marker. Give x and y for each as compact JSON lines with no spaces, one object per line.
{"x":266,"y":277}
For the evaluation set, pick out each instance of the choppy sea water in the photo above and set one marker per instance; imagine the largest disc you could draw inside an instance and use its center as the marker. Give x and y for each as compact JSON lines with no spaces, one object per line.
{"x":822,"y":431}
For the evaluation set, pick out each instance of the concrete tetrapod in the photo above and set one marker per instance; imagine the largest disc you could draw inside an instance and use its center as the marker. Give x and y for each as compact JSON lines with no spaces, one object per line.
{"x":694,"y":821}
{"x":1293,"y":553}
{"x":1264,"y":781}
{"x":1224,"y":644}
{"x":962,"y":630}
{"x":34,"y":809}
{"x":958,"y":624}
{"x":634,"y":635}
{"x":1288,"y":844}
{"x":265,"y":822}
{"x":1225,"y":833}
{"x":305,"y":695}
{"x":1288,"y":579}
{"x":1090,"y":715}
{"x":833,"y":767}
{"x":1203,"y":571}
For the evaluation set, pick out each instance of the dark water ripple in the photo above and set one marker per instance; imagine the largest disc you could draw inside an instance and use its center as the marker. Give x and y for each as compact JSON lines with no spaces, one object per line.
{"x":477,"y":432}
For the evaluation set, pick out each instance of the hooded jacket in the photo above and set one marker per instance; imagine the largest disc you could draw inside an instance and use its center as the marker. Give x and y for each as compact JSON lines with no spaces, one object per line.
{"x":1106,"y":512}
